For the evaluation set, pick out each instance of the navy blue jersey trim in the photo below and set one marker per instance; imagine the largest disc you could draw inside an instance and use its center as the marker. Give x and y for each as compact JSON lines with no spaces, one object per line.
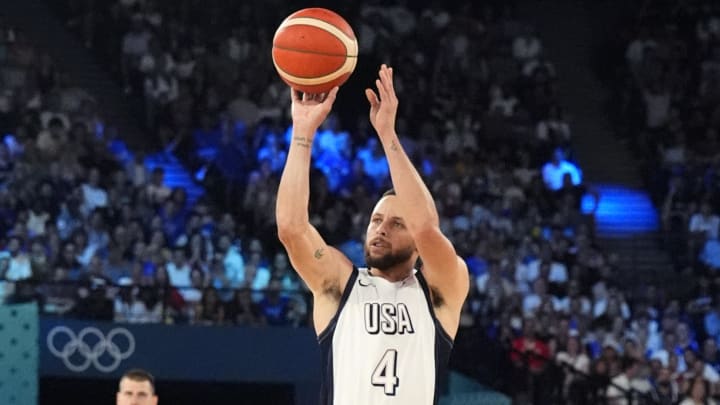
{"x":438,"y":325}
{"x":327,"y":384}
{"x":325,"y":342}
{"x":442,"y":358}
{"x":442,"y":351}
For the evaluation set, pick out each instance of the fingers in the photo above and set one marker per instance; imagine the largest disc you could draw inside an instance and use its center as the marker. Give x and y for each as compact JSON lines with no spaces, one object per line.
{"x":294,"y":95}
{"x":384,"y":74}
{"x":382,"y":91}
{"x":372,"y":97}
{"x":385,"y":82}
{"x":319,"y":97}
{"x":391,"y":85}
{"x":329,"y":98}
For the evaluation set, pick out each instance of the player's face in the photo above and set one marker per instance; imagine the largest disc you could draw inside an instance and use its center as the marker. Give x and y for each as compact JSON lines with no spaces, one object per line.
{"x":388,"y":241}
{"x":135,"y":393}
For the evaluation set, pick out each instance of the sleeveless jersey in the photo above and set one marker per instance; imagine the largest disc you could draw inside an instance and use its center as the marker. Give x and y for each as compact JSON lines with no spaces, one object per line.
{"x":384,"y":345}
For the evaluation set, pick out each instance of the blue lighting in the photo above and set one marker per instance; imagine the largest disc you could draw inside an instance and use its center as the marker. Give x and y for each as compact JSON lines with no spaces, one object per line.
{"x":622,"y":211}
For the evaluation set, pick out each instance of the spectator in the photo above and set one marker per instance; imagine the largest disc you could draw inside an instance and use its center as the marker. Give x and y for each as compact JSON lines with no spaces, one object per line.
{"x":626,"y":386}
{"x":531,"y":354}
{"x":495,"y":289}
{"x":275,"y":308}
{"x":243,"y":311}
{"x":156,"y":190}
{"x":40,"y":263}
{"x":695,"y":366}
{"x":554,"y":171}
{"x":94,"y":196}
{"x":179,"y":270}
{"x":135,"y":44}
{"x":19,"y":266}
{"x":704,"y":224}
{"x":576,"y":365}
{"x":665,"y":390}
{"x":233,"y":261}
{"x":526,"y":46}
{"x":127,"y":307}
{"x":554,"y":129}
{"x":282,"y":272}
{"x":698,"y":393}
{"x":211,"y":310}
{"x":257,"y":276}
{"x":710,"y":354}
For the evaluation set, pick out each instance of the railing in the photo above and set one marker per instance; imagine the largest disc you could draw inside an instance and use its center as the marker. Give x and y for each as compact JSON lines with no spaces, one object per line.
{"x":162,"y":304}
{"x":489,"y":361}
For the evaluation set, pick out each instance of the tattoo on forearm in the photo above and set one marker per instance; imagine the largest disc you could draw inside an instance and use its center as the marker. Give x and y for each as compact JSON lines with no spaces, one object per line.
{"x":393,"y":146}
{"x":319,"y":253}
{"x":302,"y":141}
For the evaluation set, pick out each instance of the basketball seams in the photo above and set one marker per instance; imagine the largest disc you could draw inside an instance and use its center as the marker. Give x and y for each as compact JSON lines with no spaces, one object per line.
{"x":346,"y":68}
{"x":283,"y":48}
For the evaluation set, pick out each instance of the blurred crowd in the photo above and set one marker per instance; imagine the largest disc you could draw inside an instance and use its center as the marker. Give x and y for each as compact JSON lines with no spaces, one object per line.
{"x":479,"y":117}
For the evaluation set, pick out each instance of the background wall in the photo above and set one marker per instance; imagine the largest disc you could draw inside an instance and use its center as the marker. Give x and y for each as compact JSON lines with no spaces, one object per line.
{"x":18,"y":354}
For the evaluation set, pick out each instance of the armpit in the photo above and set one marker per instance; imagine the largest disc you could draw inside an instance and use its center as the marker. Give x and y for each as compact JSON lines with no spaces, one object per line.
{"x":437,"y":299}
{"x":332,"y":290}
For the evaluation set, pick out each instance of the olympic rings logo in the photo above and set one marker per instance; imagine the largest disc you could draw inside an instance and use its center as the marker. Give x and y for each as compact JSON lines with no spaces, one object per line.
{"x":78,"y":355}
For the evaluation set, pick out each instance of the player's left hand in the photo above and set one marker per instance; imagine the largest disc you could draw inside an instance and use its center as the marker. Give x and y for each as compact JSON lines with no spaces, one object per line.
{"x":384,"y":103}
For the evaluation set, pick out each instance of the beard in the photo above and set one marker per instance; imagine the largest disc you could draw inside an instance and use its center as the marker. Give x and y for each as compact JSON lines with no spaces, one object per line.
{"x":388,"y":260}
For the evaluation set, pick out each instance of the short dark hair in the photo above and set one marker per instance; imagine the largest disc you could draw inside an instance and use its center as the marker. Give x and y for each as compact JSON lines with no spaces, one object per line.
{"x":389,"y":192}
{"x":628,"y":362}
{"x":138,"y":374}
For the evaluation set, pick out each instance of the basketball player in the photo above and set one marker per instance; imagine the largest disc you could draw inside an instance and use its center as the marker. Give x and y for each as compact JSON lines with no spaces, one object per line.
{"x":137,"y":387}
{"x":385,"y":331}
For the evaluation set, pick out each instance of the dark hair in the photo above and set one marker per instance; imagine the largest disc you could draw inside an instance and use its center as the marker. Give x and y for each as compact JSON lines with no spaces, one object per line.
{"x":138,"y":374}
{"x":627,"y":362}
{"x":55,"y":122}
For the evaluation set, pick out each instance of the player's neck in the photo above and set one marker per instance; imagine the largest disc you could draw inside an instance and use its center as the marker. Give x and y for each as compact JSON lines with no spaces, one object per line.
{"x":393,"y":274}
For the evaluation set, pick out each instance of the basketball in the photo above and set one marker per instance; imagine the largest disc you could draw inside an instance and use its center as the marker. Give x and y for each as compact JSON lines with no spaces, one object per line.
{"x":314,"y":50}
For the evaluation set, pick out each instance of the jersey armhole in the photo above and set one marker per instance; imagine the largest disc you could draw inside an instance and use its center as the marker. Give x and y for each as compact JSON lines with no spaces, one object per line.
{"x":343,"y":299}
{"x":426,"y":290}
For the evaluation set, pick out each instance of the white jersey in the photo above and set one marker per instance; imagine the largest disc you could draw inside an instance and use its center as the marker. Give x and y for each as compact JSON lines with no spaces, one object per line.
{"x":384,"y":345}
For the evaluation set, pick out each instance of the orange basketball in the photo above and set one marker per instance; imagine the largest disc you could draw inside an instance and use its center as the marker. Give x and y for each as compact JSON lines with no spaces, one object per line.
{"x":314,"y":50}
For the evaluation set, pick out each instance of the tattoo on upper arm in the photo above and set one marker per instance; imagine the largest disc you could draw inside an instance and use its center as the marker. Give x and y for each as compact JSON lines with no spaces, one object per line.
{"x":319,"y":253}
{"x":302,"y":141}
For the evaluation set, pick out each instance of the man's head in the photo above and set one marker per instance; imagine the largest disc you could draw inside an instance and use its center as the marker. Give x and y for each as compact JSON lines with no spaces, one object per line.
{"x":14,"y":245}
{"x":630,"y":366}
{"x":94,"y":177}
{"x":179,"y":256}
{"x":137,"y":387}
{"x":388,"y":242}
{"x":158,"y":176}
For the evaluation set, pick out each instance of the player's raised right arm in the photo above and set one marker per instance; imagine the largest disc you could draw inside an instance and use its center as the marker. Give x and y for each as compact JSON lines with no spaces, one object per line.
{"x":314,"y":260}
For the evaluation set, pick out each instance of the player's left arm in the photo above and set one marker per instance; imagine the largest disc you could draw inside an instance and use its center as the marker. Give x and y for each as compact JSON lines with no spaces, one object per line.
{"x":445,"y":272}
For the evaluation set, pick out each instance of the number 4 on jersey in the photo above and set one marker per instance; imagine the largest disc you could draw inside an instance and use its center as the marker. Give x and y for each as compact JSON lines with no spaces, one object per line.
{"x":385,"y":372}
